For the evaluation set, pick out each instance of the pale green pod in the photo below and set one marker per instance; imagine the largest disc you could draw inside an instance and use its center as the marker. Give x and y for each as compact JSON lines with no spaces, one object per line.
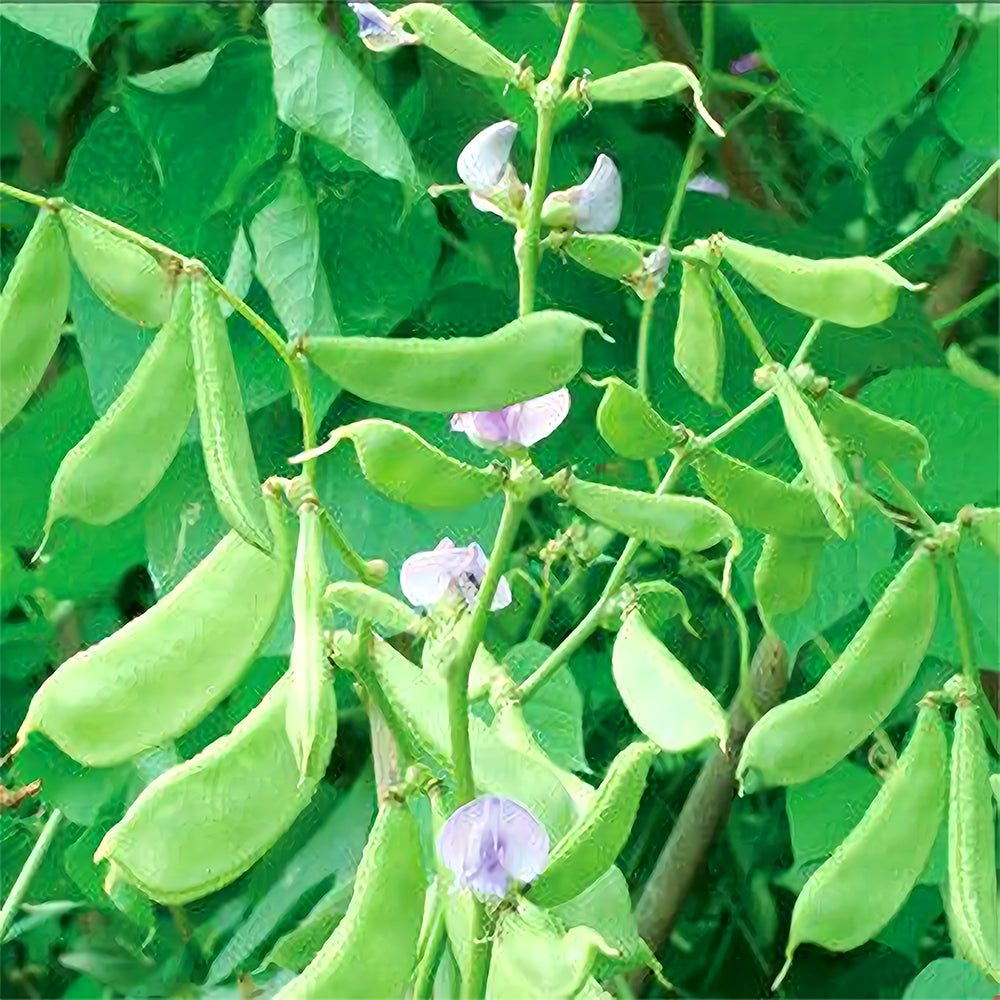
{"x":689,"y":524}
{"x":605,"y":254}
{"x":125,"y":454}
{"x":200,"y":825}
{"x":699,"y":343}
{"x":373,"y":952}
{"x":984,"y":523}
{"x":527,"y":358}
{"x":440,"y":30}
{"x":784,"y":575}
{"x":630,"y":425}
{"x":851,"y":291}
{"x":311,"y":708}
{"x":592,"y":845}
{"x":803,"y":738}
{"x":225,"y":437}
{"x":126,"y":278}
{"x":879,"y":438}
{"x":164,"y":671}
{"x":972,"y":372}
{"x":362,"y":601}
{"x":32,"y":312}
{"x":401,"y":464}
{"x":972,"y":846}
{"x":822,"y":468}
{"x":850,"y":898}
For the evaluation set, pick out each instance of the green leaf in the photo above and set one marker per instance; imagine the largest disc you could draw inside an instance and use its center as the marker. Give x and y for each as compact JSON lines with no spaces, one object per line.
{"x":66,"y":24}
{"x":285,"y":235}
{"x":950,"y":979}
{"x":321,"y":92}
{"x":885,"y":54}
{"x":967,"y":105}
{"x":179,"y":77}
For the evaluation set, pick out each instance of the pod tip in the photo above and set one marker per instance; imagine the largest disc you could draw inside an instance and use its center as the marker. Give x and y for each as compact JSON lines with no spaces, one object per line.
{"x":784,"y":971}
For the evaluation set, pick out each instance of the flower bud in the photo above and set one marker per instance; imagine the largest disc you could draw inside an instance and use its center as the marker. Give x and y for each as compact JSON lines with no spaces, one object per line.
{"x":595,"y":206}
{"x":648,"y":282}
{"x":376,"y":30}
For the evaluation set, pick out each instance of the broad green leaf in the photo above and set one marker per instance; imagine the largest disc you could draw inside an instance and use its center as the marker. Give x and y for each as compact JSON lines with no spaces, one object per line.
{"x":179,"y":77}
{"x":66,"y":24}
{"x":321,"y":92}
{"x":285,"y":236}
{"x":980,"y":574}
{"x":239,"y":273}
{"x":967,"y":104}
{"x":662,"y":697}
{"x":950,"y":979}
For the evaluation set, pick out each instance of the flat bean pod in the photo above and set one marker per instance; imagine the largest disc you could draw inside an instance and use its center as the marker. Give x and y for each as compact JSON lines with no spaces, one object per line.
{"x":125,"y":454}
{"x":528,"y":357}
{"x":592,"y":845}
{"x":699,"y":343}
{"x":851,"y":291}
{"x":803,"y":738}
{"x":32,"y":312}
{"x":225,"y":437}
{"x":361,"y":601}
{"x":630,"y":425}
{"x":164,"y":671}
{"x":758,"y":500}
{"x":203,"y":823}
{"x":864,"y":432}
{"x":605,"y":254}
{"x":972,"y":866}
{"x":851,"y":897}
{"x":373,"y":952}
{"x":126,"y":278}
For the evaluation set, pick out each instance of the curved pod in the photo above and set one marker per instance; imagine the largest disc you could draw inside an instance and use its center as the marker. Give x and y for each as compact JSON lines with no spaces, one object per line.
{"x":699,"y":343}
{"x":630,"y":425}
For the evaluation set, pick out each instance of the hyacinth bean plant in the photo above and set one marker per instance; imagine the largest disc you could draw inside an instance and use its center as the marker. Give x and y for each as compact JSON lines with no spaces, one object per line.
{"x":482,"y":519}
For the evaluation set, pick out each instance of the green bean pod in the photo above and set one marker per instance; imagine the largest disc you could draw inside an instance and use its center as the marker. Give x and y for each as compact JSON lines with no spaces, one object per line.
{"x":587,"y":851}
{"x":784,"y":575}
{"x":851,"y":897}
{"x":373,"y":952}
{"x":200,"y":825}
{"x":605,"y":254}
{"x":803,"y":738}
{"x":125,"y":454}
{"x":32,"y":312}
{"x":225,"y":437}
{"x":758,"y":500}
{"x":851,"y":291}
{"x":126,"y":278}
{"x":630,"y":425}
{"x":689,"y":524}
{"x":445,"y":34}
{"x":972,"y":867}
{"x":361,"y":601}
{"x":864,"y":432}
{"x":526,"y":358}
{"x":399,"y":463}
{"x":164,"y":671}
{"x":311,"y":708}
{"x":984,"y":523}
{"x":699,"y":343}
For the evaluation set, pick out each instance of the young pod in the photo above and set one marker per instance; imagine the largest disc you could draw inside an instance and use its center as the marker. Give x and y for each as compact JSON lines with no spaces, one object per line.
{"x":311,"y":708}
{"x":699,"y":343}
{"x":629,"y":425}
{"x":851,"y":291}
{"x":125,"y":454}
{"x":689,"y":524}
{"x":528,"y":357}
{"x":587,"y":851}
{"x":759,"y":501}
{"x":373,"y":952}
{"x":147,"y":682}
{"x":984,"y":523}
{"x":879,"y":438}
{"x":850,"y":898}
{"x":200,"y":825}
{"x":225,"y":437}
{"x":441,"y":31}
{"x":662,"y":697}
{"x":972,"y":846}
{"x":362,"y":601}
{"x":606,"y":254}
{"x":32,"y":312}
{"x":401,"y":464}
{"x":126,"y":278}
{"x":803,"y":738}
{"x":649,"y":83}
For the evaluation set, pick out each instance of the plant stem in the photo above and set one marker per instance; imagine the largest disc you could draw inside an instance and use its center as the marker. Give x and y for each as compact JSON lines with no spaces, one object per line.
{"x":423,"y":986}
{"x":968,"y":308}
{"x":299,"y":369}
{"x":17,"y":893}
{"x":909,"y":501}
{"x":351,"y":559}
{"x":277,"y":342}
{"x":561,"y":654}
{"x":736,"y":420}
{"x":362,"y":667}
{"x":807,"y":341}
{"x":960,"y":616}
{"x":32,"y":199}
{"x":742,"y":317}
{"x":474,"y":983}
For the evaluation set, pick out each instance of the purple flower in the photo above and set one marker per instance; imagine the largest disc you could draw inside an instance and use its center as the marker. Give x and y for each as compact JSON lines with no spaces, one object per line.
{"x":746,"y":64}
{"x":492,"y":843}
{"x":376,"y":30}
{"x":520,"y":423}
{"x":426,"y":577}
{"x":484,"y":166}
{"x":707,"y":185}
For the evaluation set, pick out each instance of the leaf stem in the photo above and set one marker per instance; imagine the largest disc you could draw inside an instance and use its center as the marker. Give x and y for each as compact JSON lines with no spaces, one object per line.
{"x":968,"y":308}
{"x":335,"y":535}
{"x":17,"y":893}
{"x":736,"y":420}
{"x":742,"y":317}
{"x":27,"y":196}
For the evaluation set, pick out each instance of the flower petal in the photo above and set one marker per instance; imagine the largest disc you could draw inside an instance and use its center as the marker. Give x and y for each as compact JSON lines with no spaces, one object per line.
{"x":503,"y":596}
{"x":537,"y":418}
{"x":425,"y":577}
{"x":708,"y":185}
{"x":376,"y":30}
{"x":598,"y":200}
{"x":486,"y":427}
{"x":525,"y":842}
{"x":482,"y":163}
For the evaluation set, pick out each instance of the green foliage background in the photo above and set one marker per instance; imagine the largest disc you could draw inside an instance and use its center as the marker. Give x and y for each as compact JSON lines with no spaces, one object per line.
{"x":865,"y":119}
